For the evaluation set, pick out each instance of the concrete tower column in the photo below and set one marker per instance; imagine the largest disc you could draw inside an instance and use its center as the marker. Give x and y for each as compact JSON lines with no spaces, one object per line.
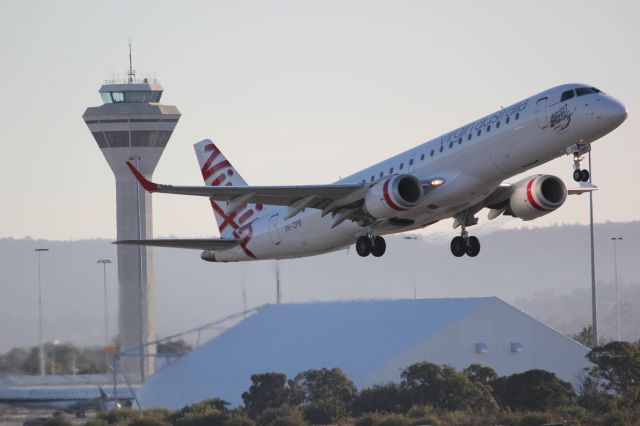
{"x":133,"y":126}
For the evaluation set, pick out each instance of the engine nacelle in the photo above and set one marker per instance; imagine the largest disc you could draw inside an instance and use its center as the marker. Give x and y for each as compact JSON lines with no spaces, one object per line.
{"x":208,"y":256}
{"x":536,"y":196}
{"x":392,"y":196}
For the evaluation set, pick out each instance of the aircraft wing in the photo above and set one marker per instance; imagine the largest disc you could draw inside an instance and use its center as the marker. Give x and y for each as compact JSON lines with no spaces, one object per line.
{"x":317,"y":195}
{"x":194,"y":243}
{"x":343,"y":200}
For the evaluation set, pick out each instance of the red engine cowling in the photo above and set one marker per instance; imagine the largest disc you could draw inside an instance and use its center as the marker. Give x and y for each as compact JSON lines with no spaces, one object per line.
{"x":394,"y":195}
{"x":536,"y":196}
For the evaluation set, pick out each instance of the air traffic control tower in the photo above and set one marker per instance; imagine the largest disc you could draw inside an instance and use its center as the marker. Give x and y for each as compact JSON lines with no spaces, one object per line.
{"x":132,"y":125}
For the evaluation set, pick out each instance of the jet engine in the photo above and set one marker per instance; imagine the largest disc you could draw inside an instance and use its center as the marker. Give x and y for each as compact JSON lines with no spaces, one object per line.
{"x":536,"y":196}
{"x":393,"y":195}
{"x":208,"y":255}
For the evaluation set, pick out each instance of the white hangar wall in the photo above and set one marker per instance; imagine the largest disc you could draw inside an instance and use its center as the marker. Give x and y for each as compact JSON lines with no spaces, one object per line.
{"x":496,"y":335}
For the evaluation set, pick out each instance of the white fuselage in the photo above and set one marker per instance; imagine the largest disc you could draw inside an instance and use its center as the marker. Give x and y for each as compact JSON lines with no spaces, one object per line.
{"x":473,"y":159}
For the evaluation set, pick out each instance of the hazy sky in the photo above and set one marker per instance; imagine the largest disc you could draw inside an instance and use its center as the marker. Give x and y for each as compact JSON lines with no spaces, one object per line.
{"x":293,"y":92}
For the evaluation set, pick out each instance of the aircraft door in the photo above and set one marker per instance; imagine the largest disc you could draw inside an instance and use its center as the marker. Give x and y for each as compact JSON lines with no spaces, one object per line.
{"x":541,"y":113}
{"x":273,"y":229}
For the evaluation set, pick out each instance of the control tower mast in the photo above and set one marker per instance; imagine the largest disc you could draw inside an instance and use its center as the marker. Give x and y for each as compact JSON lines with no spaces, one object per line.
{"x":132,"y":125}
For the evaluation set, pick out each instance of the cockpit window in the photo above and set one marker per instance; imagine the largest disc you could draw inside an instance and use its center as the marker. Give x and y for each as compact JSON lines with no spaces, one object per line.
{"x":566,"y":95}
{"x":586,"y":90}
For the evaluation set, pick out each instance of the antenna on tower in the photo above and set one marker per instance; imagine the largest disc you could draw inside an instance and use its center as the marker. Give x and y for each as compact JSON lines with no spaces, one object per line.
{"x":131,"y":73}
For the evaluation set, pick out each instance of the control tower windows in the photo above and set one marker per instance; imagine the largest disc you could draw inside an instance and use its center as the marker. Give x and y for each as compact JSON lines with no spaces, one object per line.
{"x":100,"y":139}
{"x":131,"y":97}
{"x":156,"y":138}
{"x":117,"y":139}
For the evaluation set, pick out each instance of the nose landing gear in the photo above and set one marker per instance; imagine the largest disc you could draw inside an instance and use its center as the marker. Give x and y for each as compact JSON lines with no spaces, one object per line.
{"x":578,"y":151}
{"x":370,"y":244}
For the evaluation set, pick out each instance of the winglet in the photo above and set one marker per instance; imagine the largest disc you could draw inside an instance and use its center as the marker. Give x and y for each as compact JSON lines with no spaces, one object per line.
{"x":146,"y":184}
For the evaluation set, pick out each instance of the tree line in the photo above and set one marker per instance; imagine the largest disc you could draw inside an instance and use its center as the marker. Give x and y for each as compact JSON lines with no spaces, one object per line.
{"x":66,"y":358}
{"x":428,"y":394}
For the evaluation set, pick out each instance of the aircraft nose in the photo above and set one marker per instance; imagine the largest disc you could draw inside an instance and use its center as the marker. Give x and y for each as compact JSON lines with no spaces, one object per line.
{"x":615,"y":112}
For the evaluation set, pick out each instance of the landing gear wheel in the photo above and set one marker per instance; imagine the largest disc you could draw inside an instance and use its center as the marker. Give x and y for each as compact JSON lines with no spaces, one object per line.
{"x":473,"y":246}
{"x":577,"y":175}
{"x":379,"y":246}
{"x":458,"y":246}
{"x":584,"y":175}
{"x":363,"y":246}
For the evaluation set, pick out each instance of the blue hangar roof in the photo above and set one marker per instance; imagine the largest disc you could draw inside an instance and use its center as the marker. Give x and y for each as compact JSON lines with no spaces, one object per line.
{"x":358,"y":337}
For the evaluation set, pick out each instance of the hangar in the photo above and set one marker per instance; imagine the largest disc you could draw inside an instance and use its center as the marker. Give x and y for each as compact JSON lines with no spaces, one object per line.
{"x":371,"y":341}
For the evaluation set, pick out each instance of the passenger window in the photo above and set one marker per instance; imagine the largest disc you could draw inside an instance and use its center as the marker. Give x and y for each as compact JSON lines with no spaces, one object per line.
{"x":372,"y":178}
{"x":479,"y":132}
{"x":517,"y":115}
{"x":567,"y":94}
{"x":441,"y":148}
{"x":401,"y":166}
{"x":411,"y":162}
{"x":391,"y":170}
{"x":381,"y":174}
{"x":488,"y":128}
{"x":432,"y":152}
{"x":507,"y":120}
{"x":469,"y":137}
{"x":422,"y":157}
{"x":459,"y":141}
{"x":450,"y":145}
{"x":498,"y":125}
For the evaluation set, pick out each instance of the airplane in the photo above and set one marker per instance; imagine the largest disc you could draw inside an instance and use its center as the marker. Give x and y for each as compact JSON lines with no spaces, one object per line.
{"x":72,"y":399}
{"x":452,"y":176}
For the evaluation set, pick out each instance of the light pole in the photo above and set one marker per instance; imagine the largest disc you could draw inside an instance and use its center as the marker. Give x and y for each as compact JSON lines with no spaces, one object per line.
{"x":594,"y":312}
{"x":615,"y":268}
{"x":413,"y":268}
{"x":278,"y":290}
{"x":106,"y":305}
{"x":41,"y":350}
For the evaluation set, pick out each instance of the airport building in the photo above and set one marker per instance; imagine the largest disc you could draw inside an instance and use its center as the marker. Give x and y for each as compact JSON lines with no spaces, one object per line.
{"x":132,"y":125}
{"x":371,"y":341}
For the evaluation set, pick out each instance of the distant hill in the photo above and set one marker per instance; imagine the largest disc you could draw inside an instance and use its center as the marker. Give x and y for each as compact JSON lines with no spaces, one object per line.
{"x":544,"y":271}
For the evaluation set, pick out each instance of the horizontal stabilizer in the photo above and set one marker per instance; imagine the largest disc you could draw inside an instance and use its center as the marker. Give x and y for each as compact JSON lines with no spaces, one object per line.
{"x":194,"y":243}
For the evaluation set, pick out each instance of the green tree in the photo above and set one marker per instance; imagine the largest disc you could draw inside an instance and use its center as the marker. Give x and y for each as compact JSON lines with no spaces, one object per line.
{"x":584,"y":336}
{"x":268,"y":390}
{"x":618,"y":363}
{"x":445,"y":388}
{"x":533,"y":390}
{"x":174,"y":347}
{"x":389,"y":398}
{"x":284,"y":415}
{"x":480,"y":374}
{"x":212,"y":412}
{"x":326,"y":392}
{"x":12,"y":361}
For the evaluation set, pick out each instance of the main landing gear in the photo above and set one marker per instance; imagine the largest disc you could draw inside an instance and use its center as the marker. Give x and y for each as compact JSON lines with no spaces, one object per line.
{"x":579,"y":175}
{"x":465,"y":244}
{"x":369,"y":244}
